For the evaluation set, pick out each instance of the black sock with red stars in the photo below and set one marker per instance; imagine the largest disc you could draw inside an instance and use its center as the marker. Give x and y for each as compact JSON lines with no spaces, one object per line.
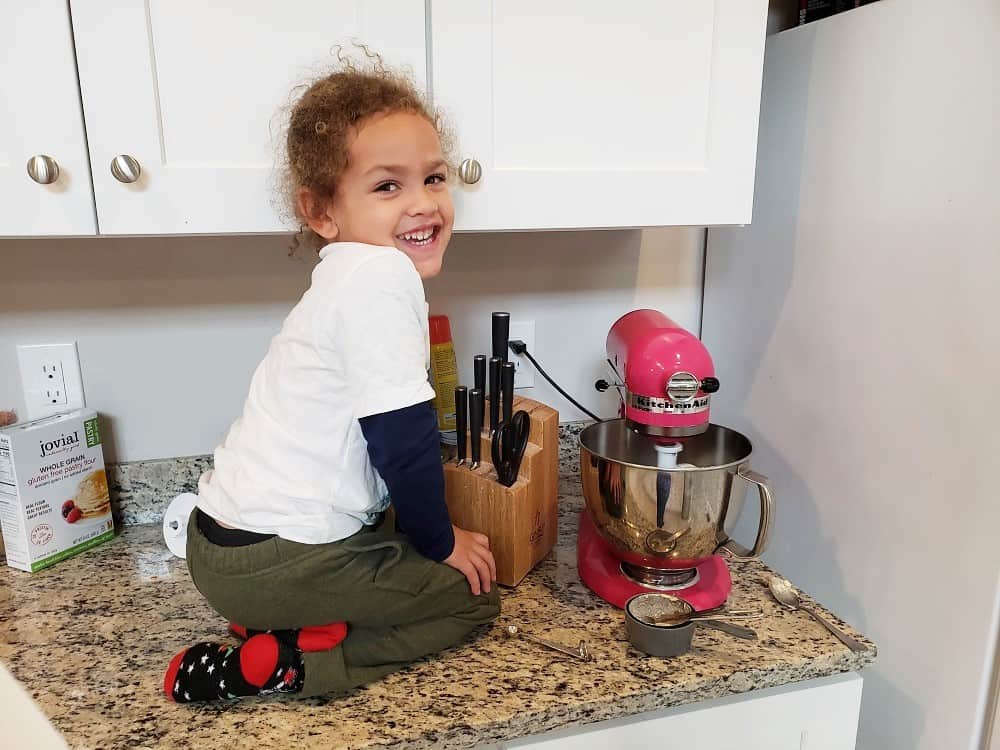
{"x":212,"y":671}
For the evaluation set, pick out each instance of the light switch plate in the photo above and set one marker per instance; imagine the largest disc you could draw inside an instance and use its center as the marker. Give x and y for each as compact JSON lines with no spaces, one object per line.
{"x":50,"y":378}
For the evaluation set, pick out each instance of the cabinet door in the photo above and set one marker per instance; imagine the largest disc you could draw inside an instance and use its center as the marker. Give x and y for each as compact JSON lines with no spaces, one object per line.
{"x":584,"y":113}
{"x":193,"y":92}
{"x":40,"y":116}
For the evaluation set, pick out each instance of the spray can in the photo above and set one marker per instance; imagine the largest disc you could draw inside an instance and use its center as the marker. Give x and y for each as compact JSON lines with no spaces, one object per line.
{"x":443,"y":374}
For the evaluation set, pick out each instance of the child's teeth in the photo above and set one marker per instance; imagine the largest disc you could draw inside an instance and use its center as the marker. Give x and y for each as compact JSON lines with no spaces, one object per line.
{"x":418,"y":236}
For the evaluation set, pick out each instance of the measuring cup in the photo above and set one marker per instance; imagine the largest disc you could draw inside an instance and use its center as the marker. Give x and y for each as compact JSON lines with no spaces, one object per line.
{"x":663,"y":625}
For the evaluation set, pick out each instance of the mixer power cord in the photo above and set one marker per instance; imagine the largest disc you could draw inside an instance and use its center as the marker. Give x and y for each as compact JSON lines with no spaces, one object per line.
{"x":521,"y":349}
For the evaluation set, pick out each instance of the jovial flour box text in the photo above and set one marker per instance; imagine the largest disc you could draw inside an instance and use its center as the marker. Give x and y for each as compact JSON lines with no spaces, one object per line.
{"x":54,"y":498}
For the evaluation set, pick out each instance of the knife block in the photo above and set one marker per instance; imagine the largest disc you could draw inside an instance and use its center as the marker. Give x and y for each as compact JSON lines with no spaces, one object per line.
{"x":521,"y":520}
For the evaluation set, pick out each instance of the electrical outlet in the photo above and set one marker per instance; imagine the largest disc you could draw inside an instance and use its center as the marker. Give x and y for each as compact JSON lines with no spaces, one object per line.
{"x":524,"y":373}
{"x":50,"y":378}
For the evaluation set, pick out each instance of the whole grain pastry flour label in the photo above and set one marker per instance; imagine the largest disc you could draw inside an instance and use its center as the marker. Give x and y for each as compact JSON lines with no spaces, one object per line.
{"x":54,"y":499}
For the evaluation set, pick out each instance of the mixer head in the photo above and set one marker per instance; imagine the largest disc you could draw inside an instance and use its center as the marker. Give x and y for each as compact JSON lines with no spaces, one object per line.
{"x":667,"y":373}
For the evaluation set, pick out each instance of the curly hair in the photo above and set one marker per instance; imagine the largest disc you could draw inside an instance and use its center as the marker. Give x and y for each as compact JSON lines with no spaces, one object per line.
{"x":323,"y":120}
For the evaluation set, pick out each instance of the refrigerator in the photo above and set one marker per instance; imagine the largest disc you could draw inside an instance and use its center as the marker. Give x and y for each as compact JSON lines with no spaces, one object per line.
{"x":854,"y":326}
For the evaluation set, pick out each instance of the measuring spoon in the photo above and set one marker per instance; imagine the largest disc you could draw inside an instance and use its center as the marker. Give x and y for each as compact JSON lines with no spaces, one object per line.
{"x":581,"y":652}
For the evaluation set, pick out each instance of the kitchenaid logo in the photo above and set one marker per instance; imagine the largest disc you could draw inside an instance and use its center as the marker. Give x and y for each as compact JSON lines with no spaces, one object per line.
{"x":666,"y":406}
{"x":60,"y":444}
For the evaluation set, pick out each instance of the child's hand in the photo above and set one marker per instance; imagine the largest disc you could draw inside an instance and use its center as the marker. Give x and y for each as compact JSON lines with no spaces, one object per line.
{"x":472,"y":557}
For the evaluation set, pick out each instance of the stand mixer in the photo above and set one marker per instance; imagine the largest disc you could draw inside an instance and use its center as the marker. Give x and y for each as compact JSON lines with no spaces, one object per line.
{"x":660,"y":481}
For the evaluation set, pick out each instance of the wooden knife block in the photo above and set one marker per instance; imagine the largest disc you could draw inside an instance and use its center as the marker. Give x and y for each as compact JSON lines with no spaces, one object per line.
{"x":521,"y":520}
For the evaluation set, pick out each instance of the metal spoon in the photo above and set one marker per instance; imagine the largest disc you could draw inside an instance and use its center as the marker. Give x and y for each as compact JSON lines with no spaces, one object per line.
{"x":581,"y":652}
{"x":785,"y":595}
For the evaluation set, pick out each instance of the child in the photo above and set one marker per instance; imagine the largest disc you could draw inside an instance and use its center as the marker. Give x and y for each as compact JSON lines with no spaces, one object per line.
{"x":288,"y":542}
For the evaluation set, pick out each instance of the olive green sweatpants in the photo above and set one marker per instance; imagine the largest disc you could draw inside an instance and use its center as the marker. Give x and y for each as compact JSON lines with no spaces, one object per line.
{"x":398,"y":605}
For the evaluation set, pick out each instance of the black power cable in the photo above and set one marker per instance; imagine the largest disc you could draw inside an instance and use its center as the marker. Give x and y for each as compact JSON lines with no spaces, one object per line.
{"x":519,"y":347}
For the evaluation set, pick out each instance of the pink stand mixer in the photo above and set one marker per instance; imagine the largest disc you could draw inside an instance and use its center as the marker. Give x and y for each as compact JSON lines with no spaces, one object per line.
{"x":660,"y":481}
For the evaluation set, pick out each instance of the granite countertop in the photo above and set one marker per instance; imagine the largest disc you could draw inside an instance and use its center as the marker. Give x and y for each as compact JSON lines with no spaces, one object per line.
{"x":90,"y":639}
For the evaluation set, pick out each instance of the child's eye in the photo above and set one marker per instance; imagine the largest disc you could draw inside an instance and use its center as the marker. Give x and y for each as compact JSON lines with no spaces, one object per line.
{"x":434,"y":179}
{"x":386,"y":187}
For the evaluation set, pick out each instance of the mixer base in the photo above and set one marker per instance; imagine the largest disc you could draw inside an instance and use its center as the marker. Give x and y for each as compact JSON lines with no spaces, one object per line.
{"x":661,"y":580}
{"x":601,"y":571}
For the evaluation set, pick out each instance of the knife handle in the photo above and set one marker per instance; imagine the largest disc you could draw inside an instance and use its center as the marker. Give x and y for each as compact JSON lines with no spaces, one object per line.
{"x":507,"y":390}
{"x":501,"y":334}
{"x":476,"y":423}
{"x":479,"y":372}
{"x":461,"y":419}
{"x":495,"y":364}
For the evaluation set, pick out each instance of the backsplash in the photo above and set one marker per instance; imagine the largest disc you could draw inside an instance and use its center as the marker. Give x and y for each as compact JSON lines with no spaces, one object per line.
{"x":142,"y":490}
{"x":170,"y":329}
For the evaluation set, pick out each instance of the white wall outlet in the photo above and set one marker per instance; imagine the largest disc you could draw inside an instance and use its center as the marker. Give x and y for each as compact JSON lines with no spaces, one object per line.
{"x":50,"y":378}
{"x":524,"y":373}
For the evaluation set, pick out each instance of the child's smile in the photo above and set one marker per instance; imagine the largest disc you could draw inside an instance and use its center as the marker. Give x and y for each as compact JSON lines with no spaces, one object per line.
{"x":419,"y":237}
{"x":419,"y":240}
{"x":394,"y":191}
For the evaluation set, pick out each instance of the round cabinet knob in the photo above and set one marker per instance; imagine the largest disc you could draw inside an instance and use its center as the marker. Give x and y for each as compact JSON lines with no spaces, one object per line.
{"x":469,"y":171}
{"x":125,"y":168}
{"x":43,"y":169}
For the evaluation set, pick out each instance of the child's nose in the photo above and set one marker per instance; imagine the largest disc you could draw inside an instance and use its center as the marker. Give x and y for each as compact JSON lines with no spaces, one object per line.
{"x":424,"y":202}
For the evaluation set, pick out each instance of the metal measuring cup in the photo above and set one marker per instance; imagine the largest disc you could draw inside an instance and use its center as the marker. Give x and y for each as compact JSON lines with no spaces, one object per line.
{"x":663,"y":625}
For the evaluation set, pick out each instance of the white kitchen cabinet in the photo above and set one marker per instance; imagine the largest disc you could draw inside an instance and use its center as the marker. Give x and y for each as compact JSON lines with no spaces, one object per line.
{"x":579,"y":114}
{"x":583,"y":113}
{"x":820,"y":714}
{"x":40,"y":116}
{"x":191,"y":91}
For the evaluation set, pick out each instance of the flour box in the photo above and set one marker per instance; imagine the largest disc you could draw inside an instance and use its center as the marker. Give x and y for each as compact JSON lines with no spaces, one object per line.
{"x":53,"y":490}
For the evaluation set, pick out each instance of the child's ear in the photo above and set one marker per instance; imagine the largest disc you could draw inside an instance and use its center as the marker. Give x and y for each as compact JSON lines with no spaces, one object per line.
{"x":318,"y":215}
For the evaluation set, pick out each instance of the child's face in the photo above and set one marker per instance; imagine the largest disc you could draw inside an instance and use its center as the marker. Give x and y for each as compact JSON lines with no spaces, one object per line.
{"x":394,"y":192}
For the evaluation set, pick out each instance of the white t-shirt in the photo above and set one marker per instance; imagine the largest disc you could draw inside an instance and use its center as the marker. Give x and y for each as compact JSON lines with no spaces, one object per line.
{"x":296,"y":463}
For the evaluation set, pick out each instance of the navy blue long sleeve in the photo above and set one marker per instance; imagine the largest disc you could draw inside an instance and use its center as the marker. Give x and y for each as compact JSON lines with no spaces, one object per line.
{"x":404,"y":446}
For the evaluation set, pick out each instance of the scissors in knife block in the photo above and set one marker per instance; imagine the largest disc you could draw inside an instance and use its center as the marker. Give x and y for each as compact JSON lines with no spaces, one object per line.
{"x":507,"y":446}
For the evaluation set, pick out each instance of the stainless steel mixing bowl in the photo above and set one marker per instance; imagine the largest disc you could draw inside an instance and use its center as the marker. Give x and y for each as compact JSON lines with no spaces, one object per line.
{"x":669,"y":518}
